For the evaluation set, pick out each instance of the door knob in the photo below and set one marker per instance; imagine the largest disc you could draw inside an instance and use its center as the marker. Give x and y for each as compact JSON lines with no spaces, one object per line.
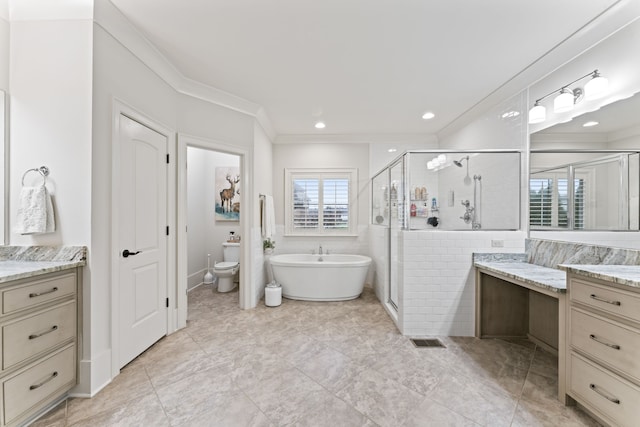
{"x":127,"y":253}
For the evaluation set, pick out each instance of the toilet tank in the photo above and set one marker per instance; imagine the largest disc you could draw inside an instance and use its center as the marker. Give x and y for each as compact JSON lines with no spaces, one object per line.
{"x":231,"y":252}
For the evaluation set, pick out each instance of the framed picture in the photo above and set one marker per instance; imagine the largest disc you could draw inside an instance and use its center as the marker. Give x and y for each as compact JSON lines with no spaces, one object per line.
{"x":227,"y":188}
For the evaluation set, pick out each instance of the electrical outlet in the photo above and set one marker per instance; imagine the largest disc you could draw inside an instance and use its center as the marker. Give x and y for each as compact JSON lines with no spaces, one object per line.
{"x":497,"y":243}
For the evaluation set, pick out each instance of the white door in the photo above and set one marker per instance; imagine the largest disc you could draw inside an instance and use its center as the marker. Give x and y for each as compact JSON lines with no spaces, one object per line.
{"x":142,"y":304}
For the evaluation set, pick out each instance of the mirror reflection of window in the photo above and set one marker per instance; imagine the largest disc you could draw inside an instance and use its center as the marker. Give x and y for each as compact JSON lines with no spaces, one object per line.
{"x":599,"y":152}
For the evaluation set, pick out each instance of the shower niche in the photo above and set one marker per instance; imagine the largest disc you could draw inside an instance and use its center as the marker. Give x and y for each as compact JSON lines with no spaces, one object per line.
{"x":449,"y":190}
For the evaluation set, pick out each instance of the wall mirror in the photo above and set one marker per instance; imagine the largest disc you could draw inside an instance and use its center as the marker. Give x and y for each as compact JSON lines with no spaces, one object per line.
{"x":585,"y":173}
{"x":3,"y":168}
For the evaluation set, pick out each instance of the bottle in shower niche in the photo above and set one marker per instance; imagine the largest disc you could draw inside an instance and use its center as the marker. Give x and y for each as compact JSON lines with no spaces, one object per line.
{"x":412,"y":210}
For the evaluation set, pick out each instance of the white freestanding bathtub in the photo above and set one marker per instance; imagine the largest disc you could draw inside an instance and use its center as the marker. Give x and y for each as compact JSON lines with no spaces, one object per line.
{"x":334,"y":277}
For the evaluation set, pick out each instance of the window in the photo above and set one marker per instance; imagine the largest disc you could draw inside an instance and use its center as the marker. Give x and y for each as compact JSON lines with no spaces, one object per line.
{"x":320,"y":202}
{"x":549,"y":201}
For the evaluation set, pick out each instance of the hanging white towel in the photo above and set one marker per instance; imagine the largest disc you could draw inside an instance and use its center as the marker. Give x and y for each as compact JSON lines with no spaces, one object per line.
{"x":268,"y":218}
{"x":35,"y":214}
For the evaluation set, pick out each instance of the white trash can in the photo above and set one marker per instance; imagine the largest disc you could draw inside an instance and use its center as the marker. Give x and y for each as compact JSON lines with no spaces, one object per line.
{"x":273,"y":295}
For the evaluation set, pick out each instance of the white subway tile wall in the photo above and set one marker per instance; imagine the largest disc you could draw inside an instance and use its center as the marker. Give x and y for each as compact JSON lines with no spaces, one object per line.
{"x":437,"y":286}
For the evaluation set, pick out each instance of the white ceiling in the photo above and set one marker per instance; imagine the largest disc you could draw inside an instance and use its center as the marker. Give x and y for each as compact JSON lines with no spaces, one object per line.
{"x":362,"y":66}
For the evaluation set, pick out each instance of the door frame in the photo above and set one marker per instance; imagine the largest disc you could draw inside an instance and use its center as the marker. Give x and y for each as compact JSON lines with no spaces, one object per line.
{"x":185,"y":141}
{"x":121,"y":108}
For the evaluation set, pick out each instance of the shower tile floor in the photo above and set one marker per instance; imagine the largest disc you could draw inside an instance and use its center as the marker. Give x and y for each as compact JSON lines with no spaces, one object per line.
{"x":321,"y":364}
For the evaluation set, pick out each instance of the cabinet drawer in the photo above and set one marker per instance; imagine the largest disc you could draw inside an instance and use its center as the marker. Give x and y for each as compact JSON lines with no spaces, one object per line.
{"x":37,"y":292}
{"x":609,"y":394}
{"x":34,"y":386}
{"x":611,"y":300}
{"x":31,"y":335}
{"x":612,"y":343}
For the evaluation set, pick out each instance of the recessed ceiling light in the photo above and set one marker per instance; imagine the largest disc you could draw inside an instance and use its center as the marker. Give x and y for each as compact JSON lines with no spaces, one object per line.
{"x":510,"y":114}
{"x":428,"y":115}
{"x":589,"y":124}
{"x":392,"y":150}
{"x":320,"y":125}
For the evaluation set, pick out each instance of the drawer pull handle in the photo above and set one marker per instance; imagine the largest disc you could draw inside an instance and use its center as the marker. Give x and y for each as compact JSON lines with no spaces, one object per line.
{"x":611,"y":399}
{"x":614,"y":346}
{"x":33,"y":295}
{"x":48,"y":331}
{"x":52,"y":376}
{"x":597,"y":298}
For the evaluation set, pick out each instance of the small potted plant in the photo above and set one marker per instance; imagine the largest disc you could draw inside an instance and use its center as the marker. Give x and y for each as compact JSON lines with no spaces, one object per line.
{"x":268,"y":246}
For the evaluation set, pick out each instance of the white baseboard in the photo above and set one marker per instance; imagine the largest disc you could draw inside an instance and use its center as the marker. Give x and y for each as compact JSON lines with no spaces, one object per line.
{"x":95,"y":374}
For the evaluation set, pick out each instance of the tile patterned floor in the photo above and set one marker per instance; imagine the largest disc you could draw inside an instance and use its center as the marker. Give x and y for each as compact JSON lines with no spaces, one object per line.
{"x":321,"y":364}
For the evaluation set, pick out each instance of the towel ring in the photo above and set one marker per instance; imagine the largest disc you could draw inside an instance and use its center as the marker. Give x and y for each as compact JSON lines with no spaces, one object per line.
{"x":42,"y":170}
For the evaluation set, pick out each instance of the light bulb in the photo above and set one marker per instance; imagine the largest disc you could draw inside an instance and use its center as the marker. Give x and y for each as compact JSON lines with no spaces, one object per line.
{"x":320,"y":125}
{"x":442,"y":159}
{"x":537,"y":114}
{"x":430,"y":165}
{"x":564,"y":101}
{"x":597,"y":87}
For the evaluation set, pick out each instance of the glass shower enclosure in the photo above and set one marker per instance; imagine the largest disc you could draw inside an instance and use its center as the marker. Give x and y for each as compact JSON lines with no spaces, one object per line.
{"x":444,"y":190}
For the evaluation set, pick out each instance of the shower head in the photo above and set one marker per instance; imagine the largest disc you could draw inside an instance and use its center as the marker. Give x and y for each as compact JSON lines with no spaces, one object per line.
{"x":458,"y":163}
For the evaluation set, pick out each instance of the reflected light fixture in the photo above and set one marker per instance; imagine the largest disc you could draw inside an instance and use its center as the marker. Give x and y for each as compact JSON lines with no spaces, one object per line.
{"x":590,"y":124}
{"x":428,"y":115}
{"x":320,"y":125}
{"x":392,"y":150}
{"x":596,"y":88}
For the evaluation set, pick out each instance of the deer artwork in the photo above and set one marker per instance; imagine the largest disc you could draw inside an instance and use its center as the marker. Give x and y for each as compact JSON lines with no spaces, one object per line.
{"x":227,"y":194}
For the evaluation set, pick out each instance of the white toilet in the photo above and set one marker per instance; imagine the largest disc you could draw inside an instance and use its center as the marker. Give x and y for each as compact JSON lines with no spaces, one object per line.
{"x":227,"y":269}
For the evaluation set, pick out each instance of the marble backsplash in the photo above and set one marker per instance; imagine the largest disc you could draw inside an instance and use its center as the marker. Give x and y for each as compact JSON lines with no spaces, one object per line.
{"x":550,"y":253}
{"x":43,"y":253}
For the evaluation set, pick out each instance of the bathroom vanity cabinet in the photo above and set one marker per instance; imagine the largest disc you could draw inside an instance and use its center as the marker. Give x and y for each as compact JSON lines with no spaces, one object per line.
{"x":603,"y":363}
{"x":39,"y":322}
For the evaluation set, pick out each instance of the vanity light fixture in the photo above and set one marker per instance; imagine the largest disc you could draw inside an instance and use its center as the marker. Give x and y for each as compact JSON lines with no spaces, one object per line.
{"x":320,"y":125}
{"x":428,"y":115}
{"x":392,"y":150}
{"x":538,"y":113}
{"x":590,"y":124}
{"x":596,"y":88}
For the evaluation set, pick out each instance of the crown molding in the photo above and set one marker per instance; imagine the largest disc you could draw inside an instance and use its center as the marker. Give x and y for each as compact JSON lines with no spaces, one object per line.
{"x":591,"y":137}
{"x":624,"y":133}
{"x":402,"y":138}
{"x":116,"y":24}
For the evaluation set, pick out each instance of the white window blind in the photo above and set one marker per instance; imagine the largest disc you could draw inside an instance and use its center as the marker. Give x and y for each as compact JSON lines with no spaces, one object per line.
{"x":549,"y":202}
{"x":541,"y":201}
{"x":320,"y":202}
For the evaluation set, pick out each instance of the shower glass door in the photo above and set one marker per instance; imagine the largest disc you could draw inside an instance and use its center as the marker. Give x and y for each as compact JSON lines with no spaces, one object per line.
{"x":396,"y":225}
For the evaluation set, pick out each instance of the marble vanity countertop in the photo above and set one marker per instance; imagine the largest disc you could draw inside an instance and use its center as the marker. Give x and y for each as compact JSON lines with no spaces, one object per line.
{"x":12,"y":270}
{"x":627,"y":275}
{"x":514,"y":266}
{"x":19,"y":262}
